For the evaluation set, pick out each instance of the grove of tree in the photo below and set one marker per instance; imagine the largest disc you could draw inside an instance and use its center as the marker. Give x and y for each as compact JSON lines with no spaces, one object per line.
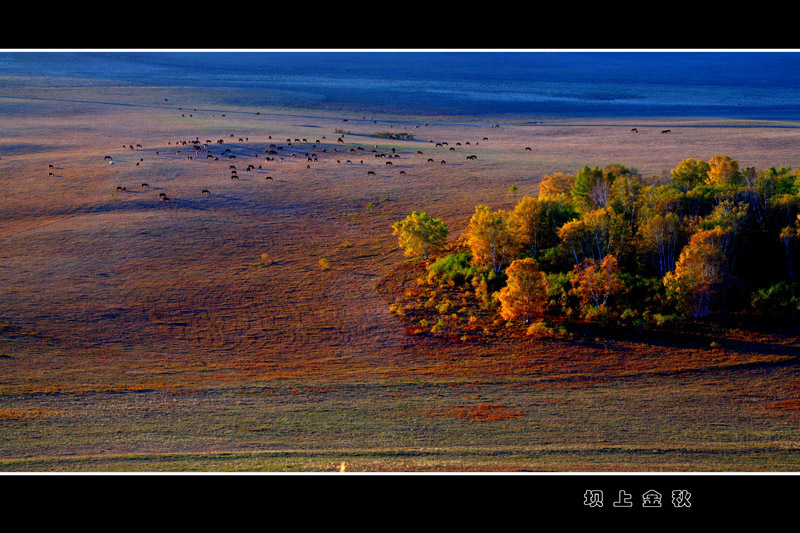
{"x":711,"y":242}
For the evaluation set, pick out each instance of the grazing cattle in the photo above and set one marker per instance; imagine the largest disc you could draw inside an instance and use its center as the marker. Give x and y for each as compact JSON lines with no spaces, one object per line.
{"x":145,"y":186}
{"x":388,"y":162}
{"x":205,"y":191}
{"x":528,"y":148}
{"x":452,"y":149}
{"x":233,"y":167}
{"x":472,"y":157}
{"x":666,"y":131}
{"x":269,"y":177}
{"x":108,"y":157}
{"x":50,"y":175}
{"x":419,"y":152}
{"x":634,"y":130}
{"x":442,"y":162}
{"x":402,"y":172}
{"x":371,"y":173}
{"x":50,"y":166}
{"x":430,"y":160}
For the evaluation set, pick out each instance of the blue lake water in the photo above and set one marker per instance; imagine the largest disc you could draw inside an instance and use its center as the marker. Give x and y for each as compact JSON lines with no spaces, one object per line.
{"x":540,"y":84}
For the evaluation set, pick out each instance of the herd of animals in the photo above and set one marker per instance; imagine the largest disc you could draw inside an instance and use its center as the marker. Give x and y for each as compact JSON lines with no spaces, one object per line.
{"x":275,"y":152}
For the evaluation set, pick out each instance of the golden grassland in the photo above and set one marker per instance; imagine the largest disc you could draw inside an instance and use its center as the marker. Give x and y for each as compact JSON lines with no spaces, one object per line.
{"x":202,"y":334}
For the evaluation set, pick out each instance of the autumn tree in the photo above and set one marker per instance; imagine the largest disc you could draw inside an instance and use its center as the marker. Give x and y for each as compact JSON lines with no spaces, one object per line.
{"x":625,"y":193}
{"x":534,"y":221}
{"x":599,"y":233}
{"x":790,"y":241}
{"x":556,"y":186}
{"x":593,"y":186}
{"x":689,"y":173}
{"x":732,"y":218}
{"x":699,"y":272}
{"x":594,"y":283}
{"x":525,"y":294}
{"x":490,"y":238}
{"x":420,"y":234}
{"x":723,"y":170}
{"x":660,"y":237}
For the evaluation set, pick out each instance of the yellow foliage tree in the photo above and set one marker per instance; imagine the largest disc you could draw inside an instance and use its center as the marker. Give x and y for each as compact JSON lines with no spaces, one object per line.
{"x":689,"y":173}
{"x":525,"y":294}
{"x":529,"y":223}
{"x":490,"y":237}
{"x":556,"y":186}
{"x":419,"y":234}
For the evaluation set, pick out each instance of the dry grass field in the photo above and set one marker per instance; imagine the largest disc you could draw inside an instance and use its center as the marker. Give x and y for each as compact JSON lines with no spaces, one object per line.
{"x":202,"y":334}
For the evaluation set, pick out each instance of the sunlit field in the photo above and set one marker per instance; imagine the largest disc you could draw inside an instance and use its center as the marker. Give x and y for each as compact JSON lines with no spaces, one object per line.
{"x":248,"y":328}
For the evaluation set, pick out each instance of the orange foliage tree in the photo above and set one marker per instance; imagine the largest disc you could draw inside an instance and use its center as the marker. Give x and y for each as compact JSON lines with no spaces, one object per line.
{"x":595,"y":283}
{"x":525,"y":294}
{"x":722,"y":170}
{"x":698,"y":272}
